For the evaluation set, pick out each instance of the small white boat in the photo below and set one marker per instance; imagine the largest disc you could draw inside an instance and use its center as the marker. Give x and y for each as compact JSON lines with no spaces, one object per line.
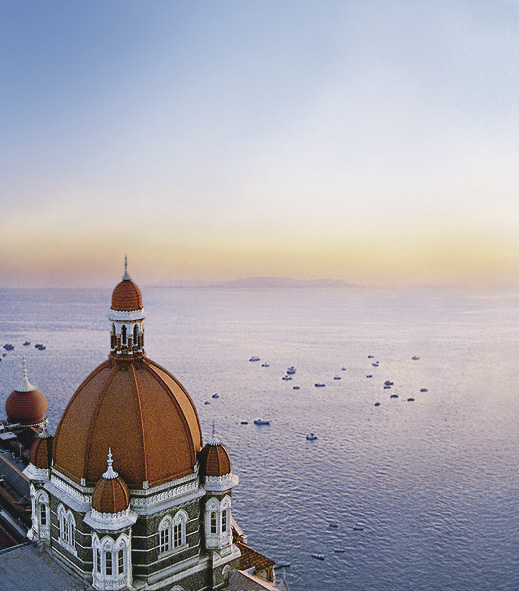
{"x":320,"y":385}
{"x":215,"y":395}
{"x":358,"y":527}
{"x":261,"y":422}
{"x":265,"y":365}
{"x":254,"y":358}
{"x":340,"y":550}
{"x":291,"y":370}
{"x":311,"y":437}
{"x":286,"y":378}
{"x":318,"y":556}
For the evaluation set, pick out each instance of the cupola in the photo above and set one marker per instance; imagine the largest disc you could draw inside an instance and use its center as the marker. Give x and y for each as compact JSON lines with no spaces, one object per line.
{"x":214,"y":459}
{"x":41,"y":449}
{"x":127,"y":317}
{"x":25,"y":405}
{"x":111,"y":494}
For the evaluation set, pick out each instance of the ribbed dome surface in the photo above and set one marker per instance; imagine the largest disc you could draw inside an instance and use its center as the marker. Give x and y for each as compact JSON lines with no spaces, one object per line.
{"x":140,"y":411}
{"x":41,"y":452}
{"x":26,"y":408}
{"x":111,"y":495}
{"x":126,"y":296}
{"x":214,"y":460}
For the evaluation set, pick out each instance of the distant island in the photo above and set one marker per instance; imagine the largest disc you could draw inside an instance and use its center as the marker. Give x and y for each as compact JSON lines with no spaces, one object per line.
{"x":261,"y":282}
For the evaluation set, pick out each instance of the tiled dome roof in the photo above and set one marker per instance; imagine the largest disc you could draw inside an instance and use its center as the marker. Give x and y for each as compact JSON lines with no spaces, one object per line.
{"x":41,"y":451}
{"x":138,"y":409}
{"x":214,"y":460}
{"x":111,"y":494}
{"x":126,"y":297}
{"x":25,"y":405}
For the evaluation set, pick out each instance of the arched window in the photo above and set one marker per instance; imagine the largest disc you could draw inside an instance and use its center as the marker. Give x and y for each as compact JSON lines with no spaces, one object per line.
{"x":165,"y":532}
{"x":214,"y":522}
{"x":123,"y":334}
{"x":120,"y":561}
{"x":67,"y":528}
{"x":179,"y":529}
{"x":108,"y":563}
{"x":135,"y":334}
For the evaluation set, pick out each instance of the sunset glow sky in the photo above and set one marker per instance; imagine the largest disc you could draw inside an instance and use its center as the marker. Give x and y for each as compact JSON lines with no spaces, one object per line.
{"x":371,"y":141}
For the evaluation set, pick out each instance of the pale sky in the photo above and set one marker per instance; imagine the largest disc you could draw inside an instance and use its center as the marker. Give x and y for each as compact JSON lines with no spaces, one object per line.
{"x":371,"y":141}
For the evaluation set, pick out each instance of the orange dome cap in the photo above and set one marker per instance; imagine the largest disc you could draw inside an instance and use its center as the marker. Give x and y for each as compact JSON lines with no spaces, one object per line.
{"x":111,"y":494}
{"x":214,"y":458}
{"x":25,"y":405}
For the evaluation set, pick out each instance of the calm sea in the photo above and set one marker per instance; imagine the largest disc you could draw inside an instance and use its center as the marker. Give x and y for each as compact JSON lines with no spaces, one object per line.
{"x":433,"y":484}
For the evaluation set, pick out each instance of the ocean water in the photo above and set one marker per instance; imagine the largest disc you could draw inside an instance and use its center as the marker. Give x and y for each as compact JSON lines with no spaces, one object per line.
{"x":433,"y":483}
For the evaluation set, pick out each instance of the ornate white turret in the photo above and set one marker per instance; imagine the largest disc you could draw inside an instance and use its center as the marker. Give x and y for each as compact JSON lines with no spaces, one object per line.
{"x":127,"y":316}
{"x":25,"y":386}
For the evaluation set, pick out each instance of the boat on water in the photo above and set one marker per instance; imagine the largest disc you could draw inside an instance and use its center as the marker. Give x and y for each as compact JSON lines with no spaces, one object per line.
{"x":291,"y":370}
{"x":388,"y":383}
{"x":318,"y":556}
{"x":244,"y":423}
{"x":415,"y":358}
{"x":340,"y":550}
{"x":311,"y":437}
{"x":39,"y":346}
{"x":295,"y":388}
{"x":261,"y":422}
{"x":216,"y":395}
{"x":371,"y":356}
{"x":207,"y":402}
{"x":27,"y":343}
{"x":343,"y":369}
{"x":394,"y":396}
{"x":265,"y":365}
{"x":375,"y":364}
{"x":320,"y":385}
{"x":410,"y":400}
{"x":254,"y":358}
{"x":286,"y":378}
{"x":337,"y":378}
{"x":377,"y":404}
{"x":423,"y":390}
{"x":369,"y":376}
{"x":333,"y":524}
{"x":8,"y":347}
{"x":282,"y":565}
{"x":358,"y":527}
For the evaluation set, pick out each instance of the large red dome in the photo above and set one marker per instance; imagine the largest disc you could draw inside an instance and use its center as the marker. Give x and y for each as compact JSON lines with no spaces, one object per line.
{"x":140,"y":411}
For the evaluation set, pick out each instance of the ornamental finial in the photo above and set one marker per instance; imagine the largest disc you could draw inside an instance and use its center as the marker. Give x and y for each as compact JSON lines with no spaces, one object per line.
{"x":110,"y":474}
{"x":44,"y":433}
{"x":126,"y":276}
{"x":25,"y":386}
{"x":214,"y":440}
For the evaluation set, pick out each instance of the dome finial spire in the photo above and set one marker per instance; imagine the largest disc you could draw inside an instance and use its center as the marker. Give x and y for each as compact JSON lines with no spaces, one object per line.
{"x":25,"y":386}
{"x":214,"y":439}
{"x":110,"y":473}
{"x":126,"y":276}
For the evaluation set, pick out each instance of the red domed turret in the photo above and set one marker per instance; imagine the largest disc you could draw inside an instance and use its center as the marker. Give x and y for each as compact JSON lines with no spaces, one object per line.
{"x":25,"y":405}
{"x":111,"y":494}
{"x":41,"y":450}
{"x":214,"y":459}
{"x":127,"y":296}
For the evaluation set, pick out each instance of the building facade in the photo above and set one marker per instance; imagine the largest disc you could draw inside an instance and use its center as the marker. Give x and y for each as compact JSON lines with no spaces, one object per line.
{"x":125,"y":494}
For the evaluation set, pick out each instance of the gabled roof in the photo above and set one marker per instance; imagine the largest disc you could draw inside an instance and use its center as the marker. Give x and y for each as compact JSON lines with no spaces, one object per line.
{"x":253,"y":559}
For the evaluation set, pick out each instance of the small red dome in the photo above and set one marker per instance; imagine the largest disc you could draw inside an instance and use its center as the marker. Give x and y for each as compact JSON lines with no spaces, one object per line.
{"x":41,"y":452}
{"x":26,"y":408}
{"x":111,"y":495}
{"x":126,"y":297}
{"x":214,"y":460}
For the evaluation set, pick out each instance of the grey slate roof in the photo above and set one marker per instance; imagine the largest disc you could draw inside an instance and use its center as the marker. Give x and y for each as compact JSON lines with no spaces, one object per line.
{"x":12,"y":472}
{"x":25,"y":568}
